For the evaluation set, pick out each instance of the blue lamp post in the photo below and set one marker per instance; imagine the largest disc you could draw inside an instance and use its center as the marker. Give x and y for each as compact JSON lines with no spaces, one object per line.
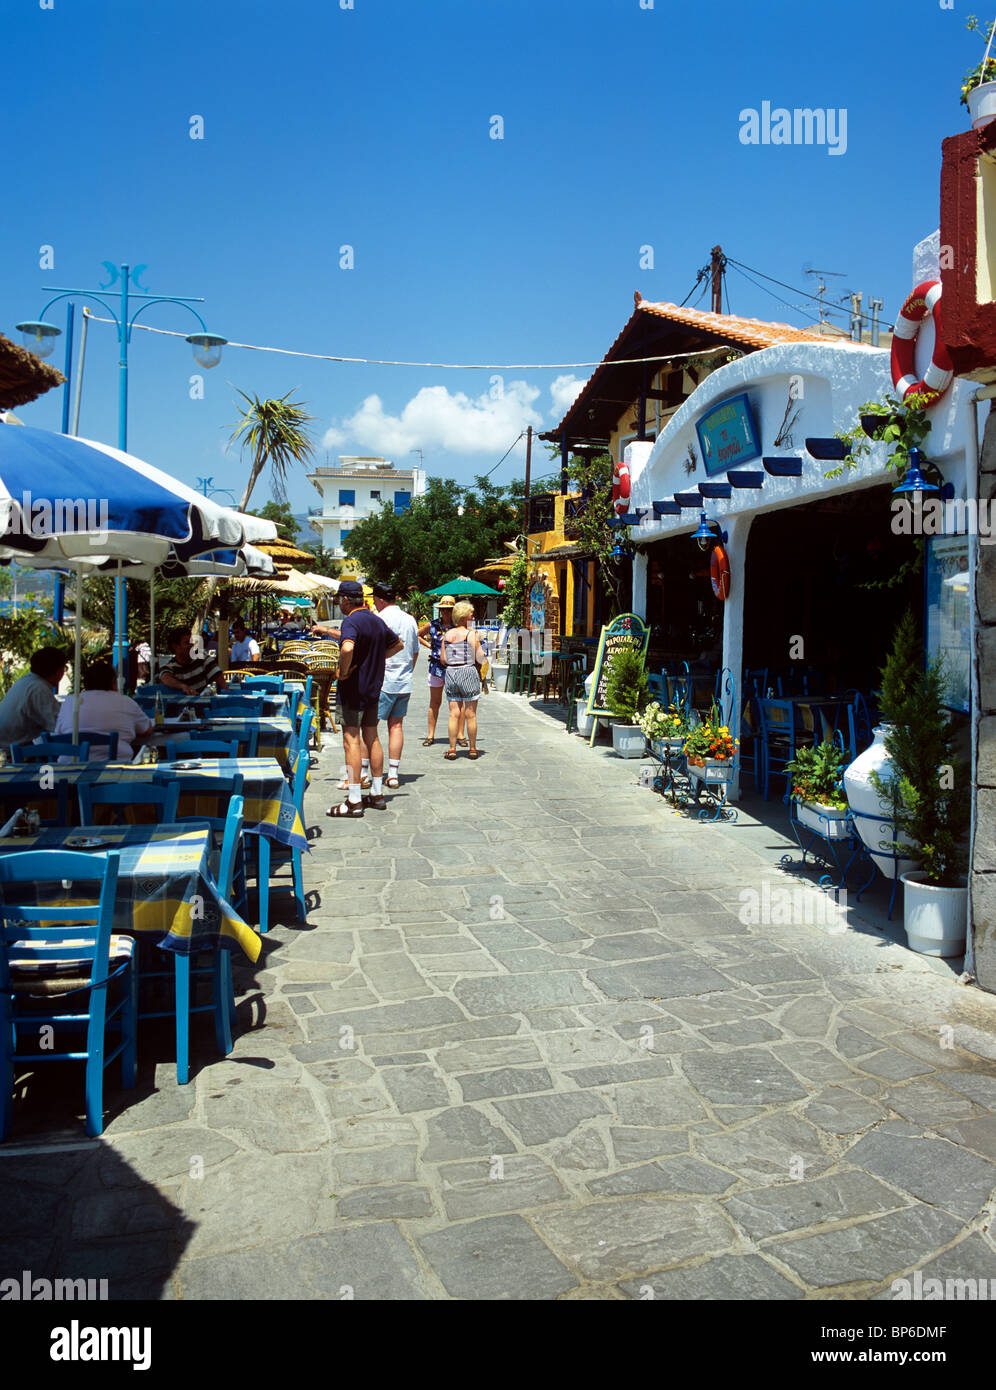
{"x":39,"y":336}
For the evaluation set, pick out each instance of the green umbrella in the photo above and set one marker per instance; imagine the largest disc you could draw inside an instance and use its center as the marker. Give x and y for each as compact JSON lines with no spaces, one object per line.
{"x":461,"y":586}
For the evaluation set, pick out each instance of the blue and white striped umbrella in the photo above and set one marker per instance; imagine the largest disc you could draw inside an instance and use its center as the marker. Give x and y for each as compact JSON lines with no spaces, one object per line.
{"x":71,"y":499}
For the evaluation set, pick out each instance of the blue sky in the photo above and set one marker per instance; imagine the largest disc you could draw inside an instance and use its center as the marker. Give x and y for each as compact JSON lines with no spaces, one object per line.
{"x":371,"y":127}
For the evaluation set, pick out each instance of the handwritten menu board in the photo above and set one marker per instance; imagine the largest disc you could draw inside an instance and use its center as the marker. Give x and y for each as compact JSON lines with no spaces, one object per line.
{"x":628,"y":630}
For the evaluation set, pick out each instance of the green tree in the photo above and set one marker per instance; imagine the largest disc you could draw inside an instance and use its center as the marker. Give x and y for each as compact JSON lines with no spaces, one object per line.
{"x":324,"y":562}
{"x":450,"y":530}
{"x":274,"y":432}
{"x":280,"y":513}
{"x":592,"y":478}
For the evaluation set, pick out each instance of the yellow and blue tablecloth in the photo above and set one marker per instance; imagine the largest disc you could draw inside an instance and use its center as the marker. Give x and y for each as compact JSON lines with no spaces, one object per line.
{"x":269,"y":806}
{"x":165,"y":885}
{"x":276,"y":736}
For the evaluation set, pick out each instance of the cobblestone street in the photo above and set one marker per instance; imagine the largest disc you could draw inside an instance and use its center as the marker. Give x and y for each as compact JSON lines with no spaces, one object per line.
{"x":525,"y":1048}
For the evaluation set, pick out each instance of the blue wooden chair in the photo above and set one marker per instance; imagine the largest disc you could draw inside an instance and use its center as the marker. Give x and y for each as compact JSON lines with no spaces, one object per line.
{"x":780,"y":737}
{"x":49,"y":751}
{"x":120,"y":797}
{"x":51,"y":803}
{"x":268,"y":851}
{"x":90,"y":736}
{"x":69,"y":955}
{"x":302,"y":737}
{"x":205,"y":745}
{"x":855,"y":716}
{"x":756,"y":683}
{"x":657,"y":685}
{"x":185,"y":975}
{"x":223,"y":705}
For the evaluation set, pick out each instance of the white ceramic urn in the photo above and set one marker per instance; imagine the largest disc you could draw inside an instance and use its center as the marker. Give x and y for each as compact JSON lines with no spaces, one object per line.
{"x":865,"y":801}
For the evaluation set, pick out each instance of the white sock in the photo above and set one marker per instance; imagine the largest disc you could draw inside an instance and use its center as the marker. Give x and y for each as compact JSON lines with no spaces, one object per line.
{"x":393,"y":766}
{"x":354,"y":793}
{"x":365,"y":767}
{"x":376,"y":786}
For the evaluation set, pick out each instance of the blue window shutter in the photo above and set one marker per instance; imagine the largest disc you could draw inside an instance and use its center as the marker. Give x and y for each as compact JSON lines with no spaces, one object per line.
{"x":402,"y":501}
{"x":347,"y":497}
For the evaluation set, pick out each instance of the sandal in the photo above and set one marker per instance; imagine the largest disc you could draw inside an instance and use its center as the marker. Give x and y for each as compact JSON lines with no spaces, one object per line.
{"x":473,"y":753}
{"x":343,"y":786}
{"x":448,"y":756}
{"x":461,"y":743}
{"x":428,"y":742}
{"x":345,"y":808}
{"x":393,"y":782}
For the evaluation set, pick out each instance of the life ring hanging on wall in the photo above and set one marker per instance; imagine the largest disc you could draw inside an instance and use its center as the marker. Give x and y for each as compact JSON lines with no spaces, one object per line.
{"x":923,"y":300}
{"x":620,"y":488}
{"x":719,"y":572}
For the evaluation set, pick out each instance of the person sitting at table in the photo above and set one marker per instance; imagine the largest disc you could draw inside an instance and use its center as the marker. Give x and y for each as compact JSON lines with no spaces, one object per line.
{"x":184,"y":672}
{"x":244,"y":647}
{"x":103,"y":710}
{"x":30,"y":708}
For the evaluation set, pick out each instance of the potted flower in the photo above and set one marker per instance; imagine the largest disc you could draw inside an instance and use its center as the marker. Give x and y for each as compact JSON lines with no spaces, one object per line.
{"x":626,"y":693}
{"x":932,"y":808}
{"x":978,"y":88}
{"x":665,"y":729}
{"x":710,"y":750}
{"x":816,"y":788}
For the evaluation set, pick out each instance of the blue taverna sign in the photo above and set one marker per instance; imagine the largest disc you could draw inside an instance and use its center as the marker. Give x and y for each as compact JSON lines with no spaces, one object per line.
{"x":728,"y":435}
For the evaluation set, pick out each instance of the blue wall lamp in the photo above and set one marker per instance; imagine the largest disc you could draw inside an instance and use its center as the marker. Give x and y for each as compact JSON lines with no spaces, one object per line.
{"x":915,"y":482}
{"x":709,"y":534}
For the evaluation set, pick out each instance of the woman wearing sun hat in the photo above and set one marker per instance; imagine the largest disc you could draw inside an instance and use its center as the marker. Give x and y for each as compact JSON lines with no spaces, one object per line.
{"x":430,"y":635}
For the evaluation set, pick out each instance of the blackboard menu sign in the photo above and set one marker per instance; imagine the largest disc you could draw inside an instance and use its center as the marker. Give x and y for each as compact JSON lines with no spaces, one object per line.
{"x":628,"y":630}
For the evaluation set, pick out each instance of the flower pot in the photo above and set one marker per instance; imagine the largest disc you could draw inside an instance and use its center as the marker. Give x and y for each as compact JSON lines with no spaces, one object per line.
{"x":982,"y":105}
{"x":935,"y":918}
{"x":827,"y":821}
{"x":628,"y":740}
{"x":872,"y":424}
{"x":864,"y":801}
{"x":667,"y":746}
{"x":499,"y":671}
{"x":585,"y":720}
{"x":711,"y":771}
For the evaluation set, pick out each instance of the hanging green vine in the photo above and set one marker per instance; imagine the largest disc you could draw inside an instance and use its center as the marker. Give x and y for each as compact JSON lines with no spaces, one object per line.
{"x":516,"y":587}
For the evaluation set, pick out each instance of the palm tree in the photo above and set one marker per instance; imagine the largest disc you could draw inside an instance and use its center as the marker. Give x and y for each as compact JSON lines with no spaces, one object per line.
{"x":274,"y":432}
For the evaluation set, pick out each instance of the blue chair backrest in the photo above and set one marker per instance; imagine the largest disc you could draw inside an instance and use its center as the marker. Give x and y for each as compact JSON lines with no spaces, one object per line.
{"x":122,"y":795}
{"x":300,"y":782}
{"x":49,"y":750}
{"x":234,"y":704}
{"x":219,"y":789}
{"x":230,"y":845}
{"x":756,"y":682}
{"x":88,"y":926}
{"x":657,"y":685}
{"x":273,"y":684}
{"x":777,"y":717}
{"x":200,"y":746}
{"x":304,"y":728}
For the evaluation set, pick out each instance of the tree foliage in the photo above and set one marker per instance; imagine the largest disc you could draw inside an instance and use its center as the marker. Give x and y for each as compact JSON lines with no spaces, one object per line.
{"x":592,"y":478}
{"x":273,"y":432}
{"x":433,"y":541}
{"x":280,"y":513}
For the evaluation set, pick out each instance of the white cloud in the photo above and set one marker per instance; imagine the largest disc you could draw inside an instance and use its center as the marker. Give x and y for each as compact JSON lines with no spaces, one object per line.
{"x":437,"y":420}
{"x":565,"y":391}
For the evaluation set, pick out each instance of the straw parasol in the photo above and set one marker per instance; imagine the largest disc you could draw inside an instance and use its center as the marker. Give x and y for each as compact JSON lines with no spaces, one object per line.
{"x":23,"y":376}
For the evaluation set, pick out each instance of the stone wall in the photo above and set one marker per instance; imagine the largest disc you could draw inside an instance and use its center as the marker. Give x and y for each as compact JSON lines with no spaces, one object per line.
{"x":984,"y":858}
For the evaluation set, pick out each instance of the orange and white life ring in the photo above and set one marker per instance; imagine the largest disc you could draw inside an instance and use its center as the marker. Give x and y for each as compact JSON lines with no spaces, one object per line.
{"x":923,"y":300}
{"x":620,"y":488}
{"x":719,"y":572}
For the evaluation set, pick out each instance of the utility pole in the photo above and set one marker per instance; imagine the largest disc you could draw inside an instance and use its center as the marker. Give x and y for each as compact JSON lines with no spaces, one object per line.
{"x":875,"y":305}
{"x":717,"y":266}
{"x":529,"y":459}
{"x":857,"y":317}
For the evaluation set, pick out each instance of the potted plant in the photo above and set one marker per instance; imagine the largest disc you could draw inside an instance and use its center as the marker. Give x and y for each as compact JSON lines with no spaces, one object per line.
{"x":626,"y":693}
{"x":978,"y":88}
{"x":932,"y":808}
{"x":665,"y":729}
{"x":817,"y":790}
{"x":710,"y":750}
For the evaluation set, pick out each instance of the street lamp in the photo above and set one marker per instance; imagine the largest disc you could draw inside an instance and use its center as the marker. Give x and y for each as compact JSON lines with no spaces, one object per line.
{"x":39,"y":337}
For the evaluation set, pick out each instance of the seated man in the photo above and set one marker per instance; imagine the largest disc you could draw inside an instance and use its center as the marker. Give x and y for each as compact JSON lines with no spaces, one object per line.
{"x":186,"y":674}
{"x":244,"y":648}
{"x":103,"y":710}
{"x":30,"y":708}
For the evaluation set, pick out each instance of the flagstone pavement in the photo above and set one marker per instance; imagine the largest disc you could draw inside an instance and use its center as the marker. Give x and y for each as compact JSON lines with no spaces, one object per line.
{"x":525,"y":1048}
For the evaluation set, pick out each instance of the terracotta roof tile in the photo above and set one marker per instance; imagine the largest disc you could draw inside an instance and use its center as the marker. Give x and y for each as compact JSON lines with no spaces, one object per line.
{"x":755,"y":332}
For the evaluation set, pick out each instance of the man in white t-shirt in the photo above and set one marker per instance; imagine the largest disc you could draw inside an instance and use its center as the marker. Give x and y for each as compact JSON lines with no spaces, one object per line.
{"x":244,"y":647}
{"x":399,"y":673}
{"x":103,"y":710}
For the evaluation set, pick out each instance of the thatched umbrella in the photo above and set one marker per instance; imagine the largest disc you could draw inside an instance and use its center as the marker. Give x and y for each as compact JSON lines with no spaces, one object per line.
{"x":23,"y":376}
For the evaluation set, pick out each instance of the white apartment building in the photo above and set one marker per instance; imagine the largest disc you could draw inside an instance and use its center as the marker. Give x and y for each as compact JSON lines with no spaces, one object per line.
{"x":355,"y":490}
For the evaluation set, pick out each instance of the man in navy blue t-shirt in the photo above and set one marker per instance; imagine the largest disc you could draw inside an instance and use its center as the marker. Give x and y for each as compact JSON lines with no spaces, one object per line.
{"x":366,"y":643}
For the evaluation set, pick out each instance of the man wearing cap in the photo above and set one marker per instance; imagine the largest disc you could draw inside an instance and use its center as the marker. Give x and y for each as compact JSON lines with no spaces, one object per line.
{"x":398,"y":675}
{"x":367,"y":642}
{"x":430,"y":635}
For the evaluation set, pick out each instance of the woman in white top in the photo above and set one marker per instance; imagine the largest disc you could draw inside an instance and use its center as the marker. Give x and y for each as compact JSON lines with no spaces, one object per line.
{"x":103,"y":710}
